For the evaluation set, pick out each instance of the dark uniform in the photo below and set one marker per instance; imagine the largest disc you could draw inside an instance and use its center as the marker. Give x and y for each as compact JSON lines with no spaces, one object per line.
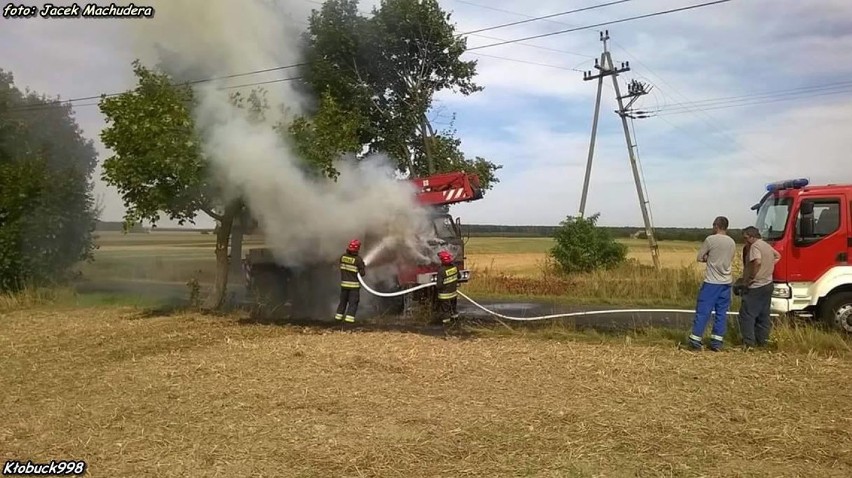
{"x":351,"y":265}
{"x":447,"y":289}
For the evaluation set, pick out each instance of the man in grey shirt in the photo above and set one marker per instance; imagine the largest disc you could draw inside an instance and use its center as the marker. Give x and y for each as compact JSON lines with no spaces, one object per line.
{"x":717,"y":252}
{"x":755,"y":323}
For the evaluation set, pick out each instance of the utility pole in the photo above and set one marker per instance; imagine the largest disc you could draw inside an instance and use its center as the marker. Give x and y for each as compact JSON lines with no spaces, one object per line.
{"x":605,"y":67}
{"x":635,"y":90}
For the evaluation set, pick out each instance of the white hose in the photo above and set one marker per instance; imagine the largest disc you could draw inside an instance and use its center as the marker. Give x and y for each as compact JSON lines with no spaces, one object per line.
{"x":541,"y":317}
{"x":588,"y":312}
{"x":392,"y":294}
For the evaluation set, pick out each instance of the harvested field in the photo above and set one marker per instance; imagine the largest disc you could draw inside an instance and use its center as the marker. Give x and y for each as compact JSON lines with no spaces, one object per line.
{"x":189,"y":395}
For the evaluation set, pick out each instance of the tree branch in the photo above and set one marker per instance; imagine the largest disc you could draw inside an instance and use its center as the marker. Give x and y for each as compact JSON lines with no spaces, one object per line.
{"x":209,"y":211}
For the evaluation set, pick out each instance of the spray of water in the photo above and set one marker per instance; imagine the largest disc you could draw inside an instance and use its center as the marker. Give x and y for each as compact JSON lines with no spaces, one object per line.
{"x":303,"y":219}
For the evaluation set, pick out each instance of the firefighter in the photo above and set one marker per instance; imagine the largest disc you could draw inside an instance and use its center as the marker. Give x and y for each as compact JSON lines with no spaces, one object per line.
{"x":351,"y":265}
{"x":448,"y":281}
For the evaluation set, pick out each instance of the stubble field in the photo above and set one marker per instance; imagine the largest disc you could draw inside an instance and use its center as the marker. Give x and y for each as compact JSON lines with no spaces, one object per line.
{"x":142,"y":394}
{"x":139,"y":391}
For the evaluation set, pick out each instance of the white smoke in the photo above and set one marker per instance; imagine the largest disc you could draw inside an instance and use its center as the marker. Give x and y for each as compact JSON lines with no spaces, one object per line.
{"x":303,"y":219}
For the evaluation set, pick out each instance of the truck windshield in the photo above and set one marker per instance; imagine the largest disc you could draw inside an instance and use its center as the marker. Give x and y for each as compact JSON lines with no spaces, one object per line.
{"x":772,"y":218}
{"x":444,"y":227}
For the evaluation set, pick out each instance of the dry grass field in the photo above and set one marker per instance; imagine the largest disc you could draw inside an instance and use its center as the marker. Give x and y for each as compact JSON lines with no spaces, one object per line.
{"x":136,"y":394}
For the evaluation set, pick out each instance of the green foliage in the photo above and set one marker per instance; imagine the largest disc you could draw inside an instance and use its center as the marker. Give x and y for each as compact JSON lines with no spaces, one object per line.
{"x":321,"y":139}
{"x":157,"y":163}
{"x":47,"y":211}
{"x":446,"y":149}
{"x":384,"y":71}
{"x":581,"y":246}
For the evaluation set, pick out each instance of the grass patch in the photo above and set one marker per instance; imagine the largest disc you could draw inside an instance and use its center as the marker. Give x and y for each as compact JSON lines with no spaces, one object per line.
{"x":43,"y":297}
{"x":191,"y":395}
{"x":633,"y":283}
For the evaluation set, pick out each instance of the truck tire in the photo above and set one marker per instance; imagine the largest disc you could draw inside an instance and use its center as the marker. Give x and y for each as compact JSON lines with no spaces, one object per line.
{"x":836,"y":311}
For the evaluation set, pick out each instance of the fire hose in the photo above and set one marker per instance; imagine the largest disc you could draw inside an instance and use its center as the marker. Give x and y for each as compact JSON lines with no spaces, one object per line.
{"x":541,"y":317}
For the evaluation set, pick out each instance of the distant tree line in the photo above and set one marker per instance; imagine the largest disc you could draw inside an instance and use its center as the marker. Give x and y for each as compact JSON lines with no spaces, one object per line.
{"x":621,"y":232}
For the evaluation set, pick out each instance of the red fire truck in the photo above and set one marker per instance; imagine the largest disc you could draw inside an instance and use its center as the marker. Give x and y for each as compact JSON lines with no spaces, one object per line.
{"x":811,"y":227}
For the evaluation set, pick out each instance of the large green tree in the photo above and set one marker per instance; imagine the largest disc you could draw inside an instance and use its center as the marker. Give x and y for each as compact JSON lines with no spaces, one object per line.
{"x":386,"y":69}
{"x":47,"y":210}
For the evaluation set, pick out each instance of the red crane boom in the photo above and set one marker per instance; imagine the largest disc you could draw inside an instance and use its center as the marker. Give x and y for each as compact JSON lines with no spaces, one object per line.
{"x":447,"y":188}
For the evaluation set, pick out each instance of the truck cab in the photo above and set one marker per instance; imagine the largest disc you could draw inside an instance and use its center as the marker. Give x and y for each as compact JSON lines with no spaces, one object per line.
{"x":811,"y":228}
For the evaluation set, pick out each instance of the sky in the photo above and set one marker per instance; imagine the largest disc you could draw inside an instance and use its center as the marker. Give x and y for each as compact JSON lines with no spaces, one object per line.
{"x":741,"y":94}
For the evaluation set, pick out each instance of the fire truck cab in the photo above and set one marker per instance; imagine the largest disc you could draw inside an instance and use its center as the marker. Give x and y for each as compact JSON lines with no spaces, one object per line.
{"x":811,"y":228}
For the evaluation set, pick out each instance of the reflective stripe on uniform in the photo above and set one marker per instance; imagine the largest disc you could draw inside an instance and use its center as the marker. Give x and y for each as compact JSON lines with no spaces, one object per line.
{"x":450,"y":280}
{"x":448,"y":295}
{"x":694,"y":338}
{"x":349,"y":319}
{"x":717,"y":338}
{"x":348,"y":284}
{"x":347,"y":267}
{"x":338,"y":317}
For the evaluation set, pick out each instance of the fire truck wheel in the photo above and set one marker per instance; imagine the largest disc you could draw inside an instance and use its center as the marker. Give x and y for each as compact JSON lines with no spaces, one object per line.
{"x":837,"y":311}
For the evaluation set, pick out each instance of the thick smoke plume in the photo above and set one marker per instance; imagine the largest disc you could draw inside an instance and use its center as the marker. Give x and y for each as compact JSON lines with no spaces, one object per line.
{"x":304,"y":219}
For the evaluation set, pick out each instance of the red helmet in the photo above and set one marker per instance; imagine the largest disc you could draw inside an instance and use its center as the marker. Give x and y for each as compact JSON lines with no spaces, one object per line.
{"x":446,"y":257}
{"x":354,"y":245}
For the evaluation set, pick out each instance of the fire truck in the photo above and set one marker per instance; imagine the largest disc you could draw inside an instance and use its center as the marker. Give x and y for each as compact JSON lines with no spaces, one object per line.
{"x":811,"y":228}
{"x":307,"y":290}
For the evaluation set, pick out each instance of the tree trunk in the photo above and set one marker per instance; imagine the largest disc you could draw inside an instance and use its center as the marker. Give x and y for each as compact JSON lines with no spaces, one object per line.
{"x":223,"y":234}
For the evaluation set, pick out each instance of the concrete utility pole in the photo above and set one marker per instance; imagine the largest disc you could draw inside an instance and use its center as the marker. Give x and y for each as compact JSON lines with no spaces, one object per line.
{"x":635,"y":90}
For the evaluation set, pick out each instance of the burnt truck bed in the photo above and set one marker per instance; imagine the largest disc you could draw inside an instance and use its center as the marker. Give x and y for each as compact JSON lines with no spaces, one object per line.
{"x":308,"y":291}
{"x":312,"y":290}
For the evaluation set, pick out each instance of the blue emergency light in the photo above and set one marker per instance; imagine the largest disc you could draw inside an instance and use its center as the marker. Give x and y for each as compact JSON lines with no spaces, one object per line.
{"x":788,"y":184}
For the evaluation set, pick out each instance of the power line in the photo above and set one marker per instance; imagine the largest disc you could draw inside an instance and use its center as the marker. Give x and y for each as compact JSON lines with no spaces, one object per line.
{"x":510,"y":12}
{"x":528,"y":62}
{"x":754,"y":103}
{"x":295,"y":65}
{"x":638,"y":17}
{"x":545,"y":17}
{"x":789,"y":94}
{"x":59,"y":104}
{"x":504,"y":42}
{"x":530,"y":45}
{"x":707,"y":118}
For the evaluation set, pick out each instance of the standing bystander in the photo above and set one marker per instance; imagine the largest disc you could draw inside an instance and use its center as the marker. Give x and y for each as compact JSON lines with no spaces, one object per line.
{"x":755,"y":322}
{"x":717,"y":252}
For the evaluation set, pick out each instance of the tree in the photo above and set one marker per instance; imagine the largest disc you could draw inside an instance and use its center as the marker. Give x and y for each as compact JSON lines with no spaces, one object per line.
{"x":157,"y":165}
{"x":386,"y":69}
{"x":582,"y":246}
{"x":47,"y":210}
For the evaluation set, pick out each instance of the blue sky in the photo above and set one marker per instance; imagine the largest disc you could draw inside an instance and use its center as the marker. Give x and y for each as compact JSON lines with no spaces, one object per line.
{"x":698,"y":160}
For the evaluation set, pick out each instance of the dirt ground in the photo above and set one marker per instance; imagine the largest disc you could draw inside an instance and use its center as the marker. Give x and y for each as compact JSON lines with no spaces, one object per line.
{"x":146,"y":394}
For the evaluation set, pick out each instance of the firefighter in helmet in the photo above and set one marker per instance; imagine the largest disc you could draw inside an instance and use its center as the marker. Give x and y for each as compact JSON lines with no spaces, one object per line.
{"x":351,"y":265}
{"x":448,"y":280}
